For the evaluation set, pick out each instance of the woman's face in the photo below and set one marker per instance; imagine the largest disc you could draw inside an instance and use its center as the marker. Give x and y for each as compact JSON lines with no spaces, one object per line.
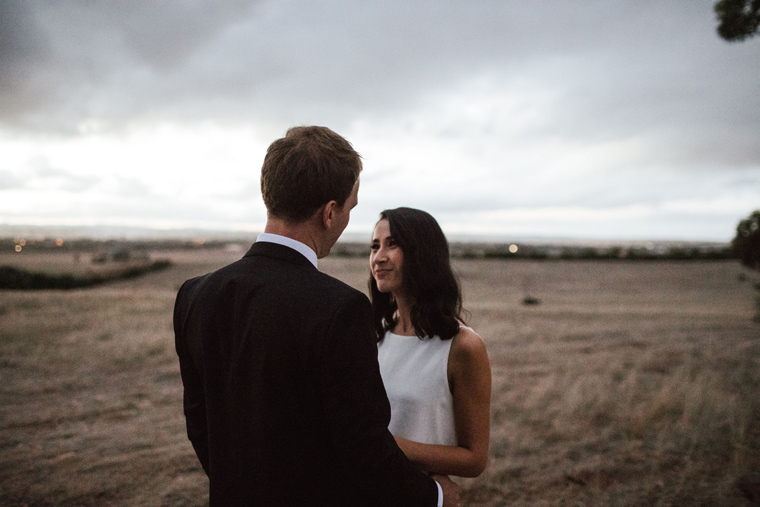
{"x":386,"y":259}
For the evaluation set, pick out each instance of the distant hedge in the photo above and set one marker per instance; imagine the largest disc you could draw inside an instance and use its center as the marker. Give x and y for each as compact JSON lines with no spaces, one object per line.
{"x":534,"y":252}
{"x":20,"y":279}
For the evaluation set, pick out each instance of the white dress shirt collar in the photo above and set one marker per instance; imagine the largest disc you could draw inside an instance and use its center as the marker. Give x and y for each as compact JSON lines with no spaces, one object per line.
{"x":291,"y":243}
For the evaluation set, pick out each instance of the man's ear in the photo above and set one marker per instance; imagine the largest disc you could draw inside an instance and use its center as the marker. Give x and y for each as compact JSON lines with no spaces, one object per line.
{"x":328,"y":213}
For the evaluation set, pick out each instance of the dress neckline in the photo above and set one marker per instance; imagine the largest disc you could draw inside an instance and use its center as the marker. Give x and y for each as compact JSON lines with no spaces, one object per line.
{"x":402,"y":335}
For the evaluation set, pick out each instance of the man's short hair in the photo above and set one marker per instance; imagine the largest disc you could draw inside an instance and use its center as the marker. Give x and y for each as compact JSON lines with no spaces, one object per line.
{"x":306,"y":169}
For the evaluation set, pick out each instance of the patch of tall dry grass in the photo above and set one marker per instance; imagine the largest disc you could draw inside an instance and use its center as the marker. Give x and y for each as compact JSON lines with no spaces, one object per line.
{"x":629,"y":384}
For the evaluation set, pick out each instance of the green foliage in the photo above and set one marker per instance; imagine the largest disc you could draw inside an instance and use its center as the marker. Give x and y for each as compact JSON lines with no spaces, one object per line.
{"x":746,"y":243}
{"x":738,"y":19}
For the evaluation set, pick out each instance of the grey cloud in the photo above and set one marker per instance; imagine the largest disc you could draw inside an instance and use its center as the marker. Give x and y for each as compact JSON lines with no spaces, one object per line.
{"x":23,"y":49}
{"x":650,"y":73}
{"x":130,"y":187}
{"x":10,"y":180}
{"x":45,"y":175}
{"x":73,"y":61}
{"x":597,"y":190}
{"x":246,"y":192}
{"x":285,"y":61}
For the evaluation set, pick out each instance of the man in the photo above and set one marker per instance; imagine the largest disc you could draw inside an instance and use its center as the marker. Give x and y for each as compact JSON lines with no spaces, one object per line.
{"x":283,"y":397}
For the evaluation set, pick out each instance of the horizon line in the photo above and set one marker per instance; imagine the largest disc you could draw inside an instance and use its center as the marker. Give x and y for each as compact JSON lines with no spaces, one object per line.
{"x":127,"y":232}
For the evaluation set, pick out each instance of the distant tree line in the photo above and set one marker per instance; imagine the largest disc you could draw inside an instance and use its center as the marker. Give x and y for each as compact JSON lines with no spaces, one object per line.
{"x":21,"y":279}
{"x":117,"y":250}
{"x":746,"y":243}
{"x":464,"y":250}
{"x":593,"y":253}
{"x":91,"y":245}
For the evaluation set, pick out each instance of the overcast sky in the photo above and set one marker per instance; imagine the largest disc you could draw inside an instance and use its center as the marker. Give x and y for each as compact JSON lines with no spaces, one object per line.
{"x":549,"y":118}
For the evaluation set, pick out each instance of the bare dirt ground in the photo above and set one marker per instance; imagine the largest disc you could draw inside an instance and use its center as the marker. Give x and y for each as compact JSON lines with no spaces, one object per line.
{"x":631,"y":383}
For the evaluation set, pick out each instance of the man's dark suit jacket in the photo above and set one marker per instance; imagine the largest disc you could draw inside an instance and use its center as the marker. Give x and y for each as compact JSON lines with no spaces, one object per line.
{"x":283,"y":397}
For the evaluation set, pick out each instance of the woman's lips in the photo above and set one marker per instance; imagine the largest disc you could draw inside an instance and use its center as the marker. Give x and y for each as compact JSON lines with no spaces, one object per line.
{"x":381,"y":272}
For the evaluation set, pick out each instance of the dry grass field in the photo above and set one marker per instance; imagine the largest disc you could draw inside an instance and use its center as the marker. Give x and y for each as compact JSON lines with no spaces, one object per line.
{"x":631,"y":383}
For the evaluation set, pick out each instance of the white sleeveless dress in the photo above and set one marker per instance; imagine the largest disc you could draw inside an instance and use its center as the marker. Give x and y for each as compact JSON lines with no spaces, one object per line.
{"x":414,"y":372}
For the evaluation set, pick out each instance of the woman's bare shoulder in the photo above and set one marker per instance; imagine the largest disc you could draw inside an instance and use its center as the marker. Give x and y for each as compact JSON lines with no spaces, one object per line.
{"x":468,"y":362}
{"x":467,"y":345}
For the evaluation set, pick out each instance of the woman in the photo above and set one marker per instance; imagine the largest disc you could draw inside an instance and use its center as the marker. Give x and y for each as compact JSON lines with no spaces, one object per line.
{"x":435,"y":369}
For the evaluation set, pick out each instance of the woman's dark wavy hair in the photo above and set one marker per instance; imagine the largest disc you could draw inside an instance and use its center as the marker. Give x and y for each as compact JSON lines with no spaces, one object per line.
{"x":427,"y":277}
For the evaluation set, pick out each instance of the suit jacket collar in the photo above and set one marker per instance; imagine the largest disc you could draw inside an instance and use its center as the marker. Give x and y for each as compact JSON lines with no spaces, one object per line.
{"x":276,"y":251}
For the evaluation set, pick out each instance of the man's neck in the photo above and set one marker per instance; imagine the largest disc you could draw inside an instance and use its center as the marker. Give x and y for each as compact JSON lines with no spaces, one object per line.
{"x":301,"y":231}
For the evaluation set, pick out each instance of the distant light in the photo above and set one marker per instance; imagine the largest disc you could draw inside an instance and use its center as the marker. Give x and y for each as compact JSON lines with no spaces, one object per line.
{"x":512,"y":248}
{"x":200,"y":241}
{"x":58,"y":242}
{"x":22,"y":242}
{"x":18,"y":248}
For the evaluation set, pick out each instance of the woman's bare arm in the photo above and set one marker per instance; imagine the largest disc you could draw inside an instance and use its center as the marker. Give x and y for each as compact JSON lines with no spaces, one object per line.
{"x":469,"y":373}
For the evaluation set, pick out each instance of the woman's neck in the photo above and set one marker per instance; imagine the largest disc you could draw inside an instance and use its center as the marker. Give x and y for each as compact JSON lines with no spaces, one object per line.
{"x":404,"y":326}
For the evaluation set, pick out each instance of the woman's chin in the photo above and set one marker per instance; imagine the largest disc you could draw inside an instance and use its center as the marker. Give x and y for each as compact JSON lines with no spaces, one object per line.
{"x":383,"y":288}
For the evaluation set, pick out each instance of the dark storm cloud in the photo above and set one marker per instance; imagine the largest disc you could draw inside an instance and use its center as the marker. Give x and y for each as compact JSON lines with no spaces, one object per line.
{"x":73,"y":61}
{"x":618,"y":68}
{"x":23,"y":49}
